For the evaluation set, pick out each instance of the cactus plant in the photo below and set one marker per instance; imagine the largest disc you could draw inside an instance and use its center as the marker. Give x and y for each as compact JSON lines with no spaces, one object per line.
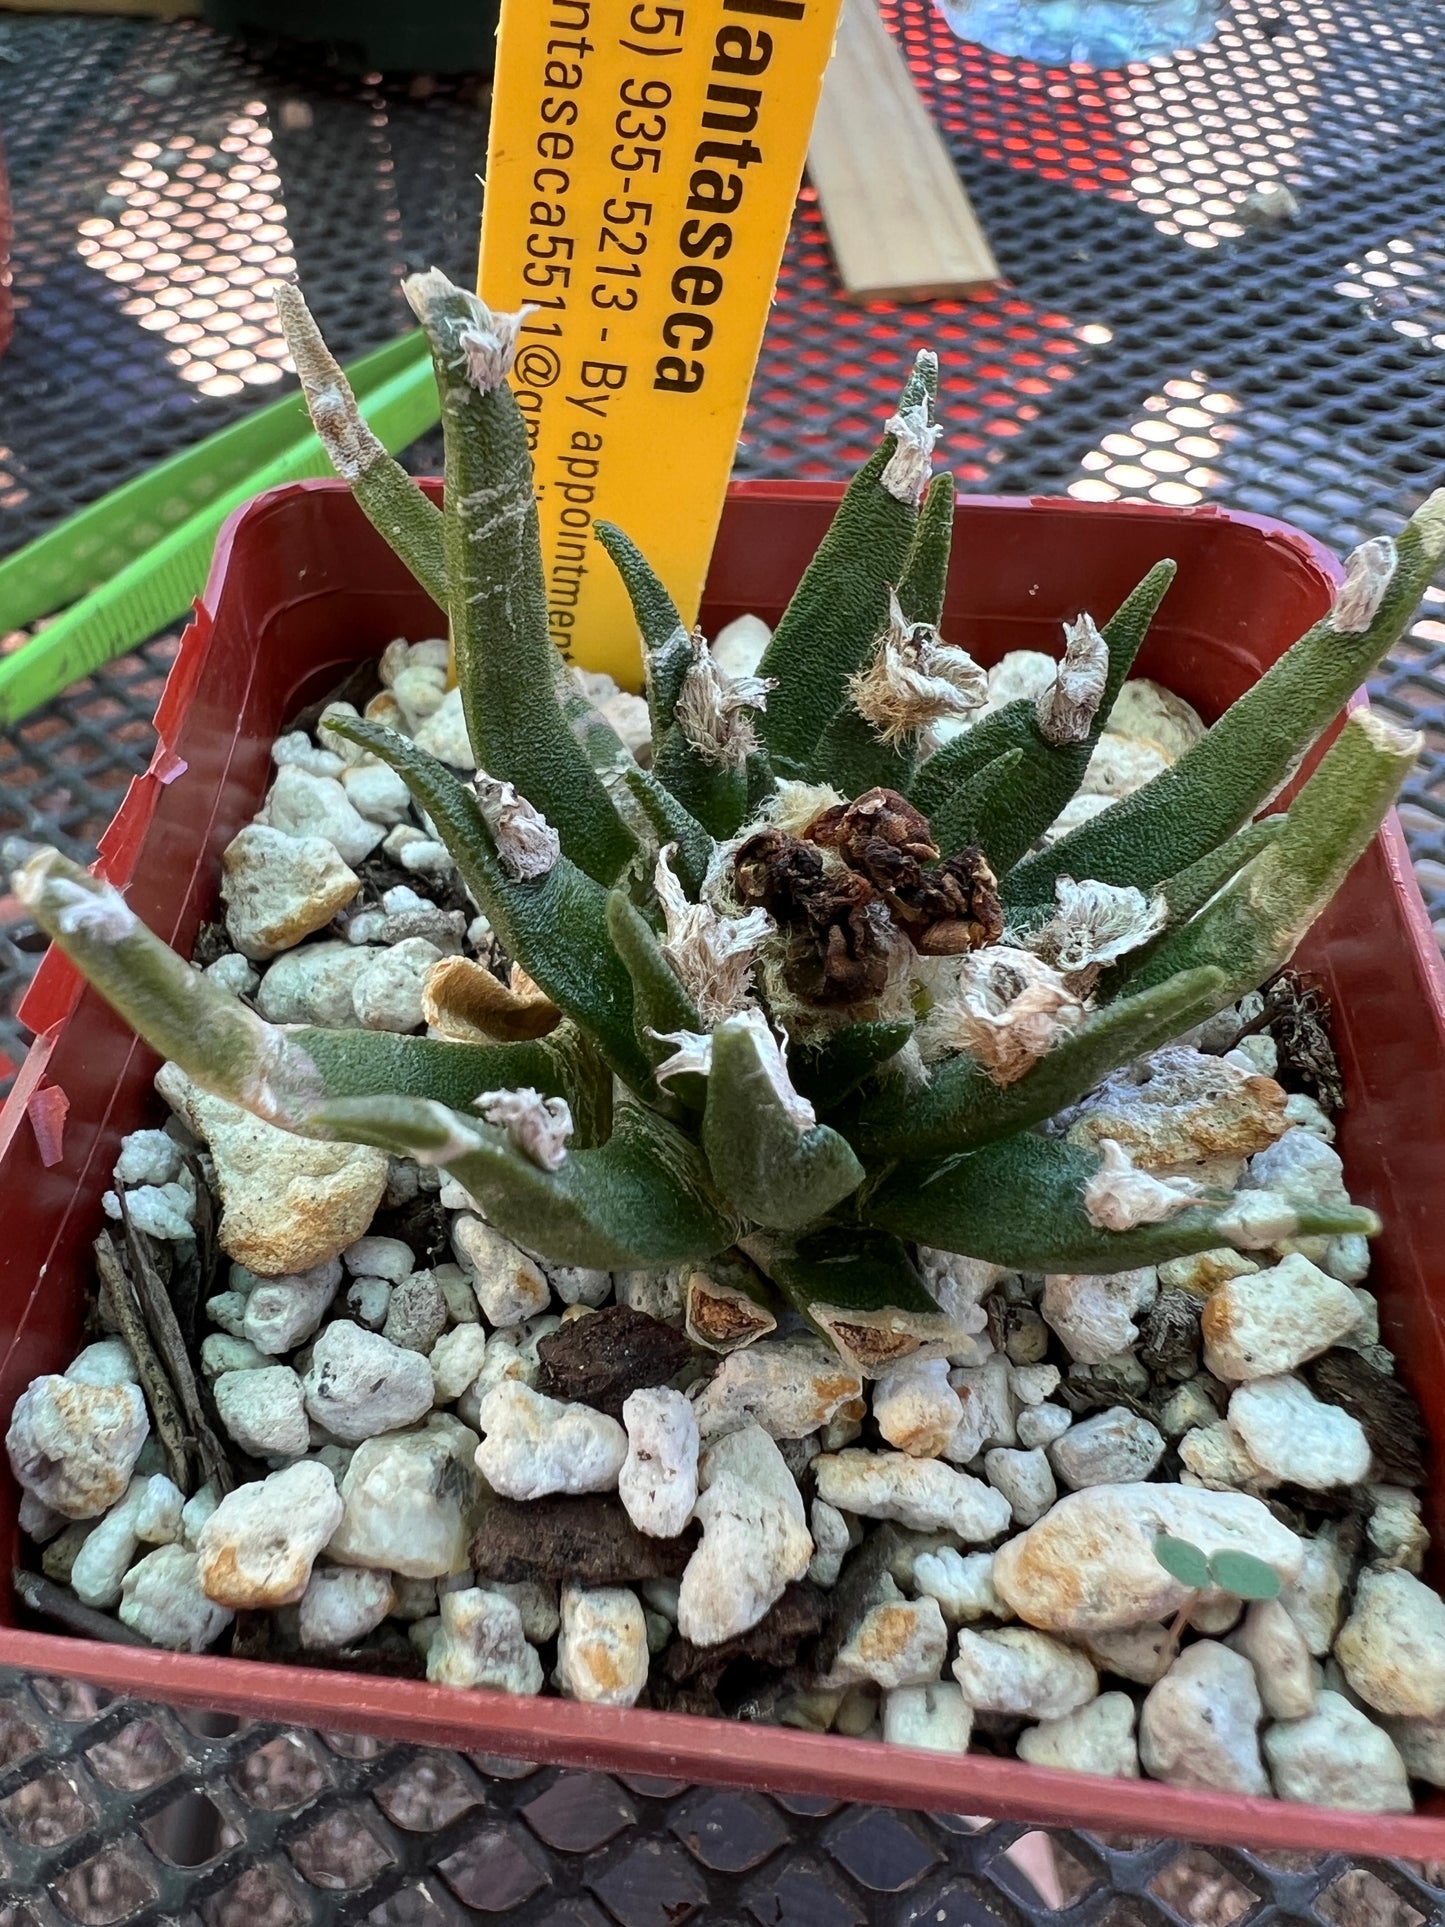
{"x":819,"y":988}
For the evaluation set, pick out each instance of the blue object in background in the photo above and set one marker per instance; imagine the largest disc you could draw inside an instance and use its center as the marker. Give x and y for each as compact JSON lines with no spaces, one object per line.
{"x":1094,"y":33}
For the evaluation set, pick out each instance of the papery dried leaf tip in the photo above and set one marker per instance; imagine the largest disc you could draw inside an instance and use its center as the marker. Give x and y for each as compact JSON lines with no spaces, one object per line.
{"x":1067,"y":708}
{"x":527,"y":845}
{"x":776,"y":1008}
{"x":915,"y":680}
{"x":539,"y":1126}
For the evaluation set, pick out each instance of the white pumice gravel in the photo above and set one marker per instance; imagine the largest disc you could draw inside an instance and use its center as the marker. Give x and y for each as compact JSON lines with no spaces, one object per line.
{"x":1297,"y":1438}
{"x":162,"y":1600}
{"x":1275,"y":1647}
{"x":1019,"y":1671}
{"x":986,"y":1417}
{"x":961,"y":1582}
{"x":264,"y":1411}
{"x":1266,"y":1325}
{"x":149,"y":1514}
{"x":1337,"y":1757}
{"x":533,"y":1445}
{"x":1392,"y":1646}
{"x":1116,"y":1447}
{"x":480,"y":1642}
{"x":832,"y":1542}
{"x":359,"y":1384}
{"x":602,"y":1653}
{"x":75,"y":1445}
{"x":922,"y":1493}
{"x":341,"y":1604}
{"x":916,"y":1409}
{"x":409,"y":1502}
{"x":281,"y":1313}
{"x":1200,"y":1724}
{"x":791,"y":1388}
{"x":510,"y":1286}
{"x":755,"y":1539}
{"x":988,"y":1518}
{"x":1024,"y":1478}
{"x":258,"y":1546}
{"x":893,"y":1642}
{"x":1098,"y":1738}
{"x":934,"y":1717}
{"x":658,"y":1480}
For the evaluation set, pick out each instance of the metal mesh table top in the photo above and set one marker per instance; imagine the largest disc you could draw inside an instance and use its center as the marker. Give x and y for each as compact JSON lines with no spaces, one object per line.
{"x":1147,"y":341}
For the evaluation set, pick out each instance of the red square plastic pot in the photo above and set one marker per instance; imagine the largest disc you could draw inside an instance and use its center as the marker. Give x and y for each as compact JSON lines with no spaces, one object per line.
{"x":301,"y":588}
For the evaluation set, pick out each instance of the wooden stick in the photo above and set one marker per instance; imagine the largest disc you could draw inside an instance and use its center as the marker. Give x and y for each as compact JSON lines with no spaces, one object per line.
{"x":901,"y":225}
{"x":165,"y":1331}
{"x":119,"y":1294}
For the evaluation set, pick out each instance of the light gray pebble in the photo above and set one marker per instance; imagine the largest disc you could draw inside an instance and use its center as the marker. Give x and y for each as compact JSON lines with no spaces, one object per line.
{"x":281,"y":1313}
{"x":359,"y":1384}
{"x":1116,"y":1447}
{"x":417,"y":1314}
{"x":264,"y":1411}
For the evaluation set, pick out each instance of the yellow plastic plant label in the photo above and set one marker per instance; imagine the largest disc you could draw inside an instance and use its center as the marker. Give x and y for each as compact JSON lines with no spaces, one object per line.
{"x":642,"y":169}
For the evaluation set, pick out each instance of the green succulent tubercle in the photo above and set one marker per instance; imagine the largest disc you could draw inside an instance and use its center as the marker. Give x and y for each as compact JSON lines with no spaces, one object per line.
{"x":788,"y":949}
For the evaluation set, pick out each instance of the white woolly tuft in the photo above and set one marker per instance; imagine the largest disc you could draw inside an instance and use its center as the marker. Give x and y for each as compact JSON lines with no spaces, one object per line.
{"x":713,"y":955}
{"x":711,"y":708}
{"x":527,"y":845}
{"x":1067,"y":708}
{"x":1009,"y":1008}
{"x":100,"y":914}
{"x":490,"y":345}
{"x":538,"y":1126}
{"x":1120,"y":1196}
{"x":1096,"y":923}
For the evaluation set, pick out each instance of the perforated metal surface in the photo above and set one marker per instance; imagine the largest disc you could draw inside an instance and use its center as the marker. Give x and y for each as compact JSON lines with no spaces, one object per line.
{"x":1147,"y":342}
{"x":119,"y":1812}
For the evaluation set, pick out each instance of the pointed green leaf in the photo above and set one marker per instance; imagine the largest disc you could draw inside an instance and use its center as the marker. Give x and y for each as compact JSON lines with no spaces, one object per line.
{"x":958,"y":822}
{"x":666,"y":645}
{"x":828,"y":629}
{"x":962,"y":1107}
{"x":1023,"y":801}
{"x":660,"y":1004}
{"x":860,"y":1290}
{"x":1020,"y":1203}
{"x":1186,"y":894}
{"x":1244,"y":1575}
{"x":1219,"y":783}
{"x":924,"y":582}
{"x":826,"y":1072}
{"x":1013,"y":806}
{"x":283,"y":1073}
{"x":1250,"y":929}
{"x":641,"y":1199}
{"x":389,"y":498}
{"x":555,"y":925}
{"x":377,"y":1063}
{"x":673,"y":824}
{"x":964,"y":760}
{"x":716,"y":794}
{"x":851,"y":755}
{"x":1182,"y":1561}
{"x":509,"y":672}
{"x":777,"y":1167}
